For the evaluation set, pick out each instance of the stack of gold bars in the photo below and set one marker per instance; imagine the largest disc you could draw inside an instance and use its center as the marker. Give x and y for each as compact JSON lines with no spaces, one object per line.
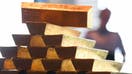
{"x":54,"y":48}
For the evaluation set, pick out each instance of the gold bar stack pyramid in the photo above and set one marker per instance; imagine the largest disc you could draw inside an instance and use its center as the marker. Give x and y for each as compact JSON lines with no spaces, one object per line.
{"x":52,"y":47}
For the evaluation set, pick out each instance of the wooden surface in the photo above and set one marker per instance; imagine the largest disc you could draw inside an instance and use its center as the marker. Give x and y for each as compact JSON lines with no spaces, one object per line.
{"x":53,"y":6}
{"x":59,"y":14}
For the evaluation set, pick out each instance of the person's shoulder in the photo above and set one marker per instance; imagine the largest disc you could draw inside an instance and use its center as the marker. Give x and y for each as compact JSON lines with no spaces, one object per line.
{"x":115,"y":34}
{"x":90,"y":34}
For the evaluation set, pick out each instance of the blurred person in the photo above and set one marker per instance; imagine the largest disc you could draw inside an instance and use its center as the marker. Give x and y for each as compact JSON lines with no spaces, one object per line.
{"x":105,"y":39}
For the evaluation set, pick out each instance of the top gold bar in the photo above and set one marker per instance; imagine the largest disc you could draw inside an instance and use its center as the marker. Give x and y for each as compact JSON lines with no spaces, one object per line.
{"x":58,"y":7}
{"x":59,"y":14}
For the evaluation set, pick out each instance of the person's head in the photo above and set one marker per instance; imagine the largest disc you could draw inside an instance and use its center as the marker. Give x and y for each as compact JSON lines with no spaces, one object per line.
{"x":104,"y":17}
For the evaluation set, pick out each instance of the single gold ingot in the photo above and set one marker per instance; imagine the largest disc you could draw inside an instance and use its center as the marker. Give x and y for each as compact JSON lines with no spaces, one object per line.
{"x":8,"y":64}
{"x":52,"y":54}
{"x":37,"y":41}
{"x":52,"y":29}
{"x":76,"y":41}
{"x":23,"y":53}
{"x":90,"y":53}
{"x":67,"y":65}
{"x":106,"y":65}
{"x":37,"y":65}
